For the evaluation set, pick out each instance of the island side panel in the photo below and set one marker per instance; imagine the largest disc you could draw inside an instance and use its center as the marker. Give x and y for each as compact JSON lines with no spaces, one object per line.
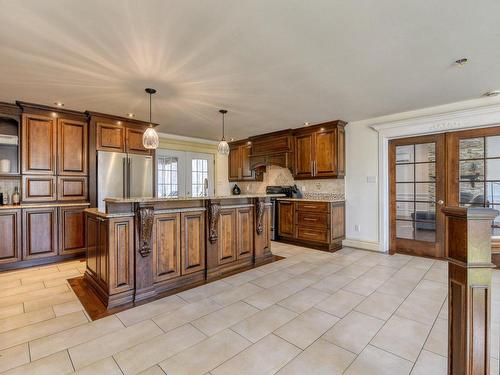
{"x":262,"y":238}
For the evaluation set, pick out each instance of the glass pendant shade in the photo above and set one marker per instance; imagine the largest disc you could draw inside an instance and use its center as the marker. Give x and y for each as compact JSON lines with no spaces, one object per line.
{"x":223,"y":147}
{"x":150,"y":139}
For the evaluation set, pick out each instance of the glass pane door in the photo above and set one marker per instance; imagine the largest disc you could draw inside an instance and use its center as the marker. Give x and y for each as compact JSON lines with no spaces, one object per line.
{"x":200,"y":175}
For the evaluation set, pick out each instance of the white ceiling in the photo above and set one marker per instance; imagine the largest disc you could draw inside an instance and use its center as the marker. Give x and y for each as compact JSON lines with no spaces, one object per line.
{"x":272,"y":63}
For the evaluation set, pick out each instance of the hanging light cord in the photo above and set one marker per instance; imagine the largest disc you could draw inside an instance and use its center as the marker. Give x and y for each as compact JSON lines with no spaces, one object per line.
{"x":150,"y":122}
{"x":223,"y":136}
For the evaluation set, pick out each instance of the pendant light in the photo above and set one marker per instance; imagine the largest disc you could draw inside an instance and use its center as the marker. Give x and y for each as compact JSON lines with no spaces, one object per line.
{"x":150,"y":138}
{"x":223,"y":147}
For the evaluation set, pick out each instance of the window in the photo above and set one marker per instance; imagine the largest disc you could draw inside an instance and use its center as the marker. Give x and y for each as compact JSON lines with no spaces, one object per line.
{"x":199,"y":179}
{"x":167,"y":176}
{"x":479,"y":174}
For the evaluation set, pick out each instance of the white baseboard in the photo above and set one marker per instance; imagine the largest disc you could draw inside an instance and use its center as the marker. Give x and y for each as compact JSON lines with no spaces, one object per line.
{"x":365,"y":245}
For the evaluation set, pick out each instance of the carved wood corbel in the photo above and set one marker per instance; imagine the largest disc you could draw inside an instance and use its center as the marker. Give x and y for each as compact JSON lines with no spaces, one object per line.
{"x":213,"y":219}
{"x":260,"y":206}
{"x":145,"y":216}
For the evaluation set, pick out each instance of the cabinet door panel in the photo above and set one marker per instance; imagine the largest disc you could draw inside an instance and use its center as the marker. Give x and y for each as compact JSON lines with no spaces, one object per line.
{"x":72,"y":150}
{"x":39,"y":136}
{"x":192,"y":242}
{"x":234,"y":164}
{"x":39,"y":188}
{"x":102,"y":254}
{"x":71,"y":188}
{"x":92,"y":232}
{"x":312,"y":234}
{"x":121,"y":255}
{"x":340,"y":152}
{"x":226,"y":243}
{"x":245,"y":227}
{"x":325,"y":154}
{"x":71,"y":230}
{"x":166,"y":247}
{"x":303,"y":155}
{"x":10,"y":235}
{"x":110,"y":137}
{"x":286,"y":214}
{"x":40,"y":232}
{"x":134,"y":142}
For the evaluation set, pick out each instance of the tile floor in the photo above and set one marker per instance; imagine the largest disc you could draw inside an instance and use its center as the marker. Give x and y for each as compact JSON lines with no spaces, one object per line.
{"x":351,"y":312}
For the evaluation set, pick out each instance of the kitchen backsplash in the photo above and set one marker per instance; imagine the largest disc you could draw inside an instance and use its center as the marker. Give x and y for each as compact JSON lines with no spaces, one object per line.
{"x":313,"y":189}
{"x":8,"y":186}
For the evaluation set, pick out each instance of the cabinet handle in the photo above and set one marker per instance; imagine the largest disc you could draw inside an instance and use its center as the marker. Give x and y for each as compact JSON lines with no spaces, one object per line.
{"x":315,"y":168}
{"x":309,"y":219}
{"x":312,"y":168}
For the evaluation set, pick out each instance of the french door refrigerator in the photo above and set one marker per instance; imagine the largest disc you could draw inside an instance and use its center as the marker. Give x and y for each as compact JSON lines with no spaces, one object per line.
{"x":121,"y":175}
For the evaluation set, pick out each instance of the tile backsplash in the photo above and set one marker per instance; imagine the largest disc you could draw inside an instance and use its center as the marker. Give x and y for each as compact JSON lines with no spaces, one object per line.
{"x":8,"y":186}
{"x":313,"y":189}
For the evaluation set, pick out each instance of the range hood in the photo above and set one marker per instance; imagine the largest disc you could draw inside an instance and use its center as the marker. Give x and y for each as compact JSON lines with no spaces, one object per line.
{"x":272,"y":149}
{"x":282,"y":159}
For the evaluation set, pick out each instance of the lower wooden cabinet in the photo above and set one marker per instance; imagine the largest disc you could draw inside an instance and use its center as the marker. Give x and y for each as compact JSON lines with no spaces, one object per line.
{"x":192,"y":242}
{"x":71,"y":230}
{"x":227,"y":243}
{"x":166,"y":247}
{"x":244,"y":231}
{"x":10,"y":236}
{"x":286,"y":213}
{"x":40,"y":232}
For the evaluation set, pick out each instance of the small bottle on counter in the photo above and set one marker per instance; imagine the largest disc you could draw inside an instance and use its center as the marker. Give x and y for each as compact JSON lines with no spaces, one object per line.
{"x":5,"y":198}
{"x":1,"y":198}
{"x":16,"y":197}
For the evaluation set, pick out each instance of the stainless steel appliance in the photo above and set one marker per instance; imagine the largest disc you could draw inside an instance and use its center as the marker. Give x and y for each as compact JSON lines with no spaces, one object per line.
{"x":287,"y":190}
{"x":121,"y":175}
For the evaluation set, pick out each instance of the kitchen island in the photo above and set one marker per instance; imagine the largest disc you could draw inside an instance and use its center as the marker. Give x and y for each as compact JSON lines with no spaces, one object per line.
{"x":141,"y":247}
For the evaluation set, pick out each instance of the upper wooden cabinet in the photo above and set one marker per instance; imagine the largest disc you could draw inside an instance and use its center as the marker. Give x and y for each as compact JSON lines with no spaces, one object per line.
{"x":239,"y":168}
{"x":72,"y":147}
{"x":134,"y":143}
{"x":110,"y":137}
{"x":39,"y":144}
{"x":319,"y":151}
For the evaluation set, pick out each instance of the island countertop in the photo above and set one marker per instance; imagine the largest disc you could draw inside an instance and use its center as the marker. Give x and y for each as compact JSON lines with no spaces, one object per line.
{"x":189,"y":198}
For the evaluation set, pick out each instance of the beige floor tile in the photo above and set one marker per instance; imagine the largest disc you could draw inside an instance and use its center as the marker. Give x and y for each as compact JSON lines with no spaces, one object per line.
{"x":149,"y":310}
{"x":106,"y":366}
{"x":437,"y":275}
{"x":11,"y":310}
{"x":396,"y":260}
{"x":56,"y":364}
{"x":65,"y":274}
{"x":423,"y":310}
{"x":324,"y":270}
{"x":374,"y":361}
{"x":244,"y":277}
{"x":236,"y":293}
{"x":430,"y":364}
{"x":25,"y":319}
{"x":321,"y":358}
{"x":186,"y":314}
{"x":364,"y":285}
{"x":47,"y":345}
{"x":437,"y":342}
{"x":206,"y":355}
{"x":402,"y":337}
{"x":354,"y":331}
{"x":353,"y":270}
{"x":23,"y":289}
{"x":370,"y":260}
{"x":332,"y":283}
{"x":67,"y":308}
{"x":276,"y":352}
{"x":306,"y":328}
{"x":20,"y":335}
{"x":432,"y":290}
{"x":155,"y":370}
{"x":381,"y":272}
{"x":13,"y":357}
{"x":148,"y":353}
{"x":71,"y":264}
{"x":224,"y":318}
{"x":299,"y":268}
{"x":397,"y":287}
{"x":19,"y":274}
{"x":304,"y":300}
{"x":55,"y":282}
{"x":419,"y":262}
{"x":105,"y":346}
{"x":263,"y":322}
{"x":410,"y":273}
{"x":340,"y":303}
{"x":268,"y":297}
{"x":272,"y":279}
{"x":7,"y":284}
{"x":379,"y":305}
{"x":55,"y":299}
{"x":204,"y":291}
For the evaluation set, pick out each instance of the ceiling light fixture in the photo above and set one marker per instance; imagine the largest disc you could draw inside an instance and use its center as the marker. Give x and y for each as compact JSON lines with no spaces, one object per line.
{"x":150,"y":138}
{"x":59,"y":104}
{"x":492,"y":93}
{"x":461,"y":62}
{"x":306,"y":123}
{"x":223,"y":147}
{"x":130,"y":115}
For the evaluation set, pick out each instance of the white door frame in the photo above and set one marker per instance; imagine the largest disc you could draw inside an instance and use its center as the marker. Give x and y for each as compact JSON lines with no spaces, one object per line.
{"x":486,"y":116}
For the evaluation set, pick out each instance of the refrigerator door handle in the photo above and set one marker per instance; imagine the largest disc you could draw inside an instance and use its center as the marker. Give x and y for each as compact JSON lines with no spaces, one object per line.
{"x":128,"y":175}
{"x":124,"y":167}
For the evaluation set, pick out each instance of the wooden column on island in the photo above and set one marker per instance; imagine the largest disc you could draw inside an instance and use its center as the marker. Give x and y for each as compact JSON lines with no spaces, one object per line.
{"x":468,"y":241}
{"x":144,"y":288}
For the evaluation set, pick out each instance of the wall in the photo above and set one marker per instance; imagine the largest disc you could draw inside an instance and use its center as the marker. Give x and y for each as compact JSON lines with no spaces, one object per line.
{"x":274,"y":175}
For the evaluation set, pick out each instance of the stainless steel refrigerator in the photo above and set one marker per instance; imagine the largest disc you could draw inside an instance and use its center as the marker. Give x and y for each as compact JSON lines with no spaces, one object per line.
{"x":121,"y":175}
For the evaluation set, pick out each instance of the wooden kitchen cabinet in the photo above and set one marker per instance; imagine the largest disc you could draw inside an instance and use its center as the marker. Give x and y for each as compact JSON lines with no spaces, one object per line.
{"x":239,"y":168}
{"x":71,"y":230}
{"x":39,"y":144}
{"x":10,"y":236}
{"x":244,"y":232}
{"x":72,"y":147}
{"x":40,"y":188}
{"x":110,"y":137}
{"x":40,"y":232}
{"x":192,"y":242}
{"x":227,"y":242}
{"x":320,"y":151}
{"x":167,"y":246}
{"x":286,"y":218}
{"x":134,"y":144}
{"x":72,"y":188}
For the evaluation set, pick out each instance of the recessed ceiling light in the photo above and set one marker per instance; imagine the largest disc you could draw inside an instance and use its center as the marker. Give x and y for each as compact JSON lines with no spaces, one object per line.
{"x":461,"y":62}
{"x":59,"y":104}
{"x":130,"y":114}
{"x":306,"y":123}
{"x":492,"y":93}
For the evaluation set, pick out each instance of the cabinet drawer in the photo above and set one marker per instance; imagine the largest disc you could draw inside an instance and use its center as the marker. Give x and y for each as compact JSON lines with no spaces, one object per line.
{"x":313,"y":206}
{"x":312,"y":219}
{"x":71,"y":188}
{"x":312,"y":234}
{"x":39,"y":188}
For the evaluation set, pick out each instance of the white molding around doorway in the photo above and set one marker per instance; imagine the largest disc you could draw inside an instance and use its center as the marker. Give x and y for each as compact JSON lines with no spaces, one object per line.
{"x":437,"y":123}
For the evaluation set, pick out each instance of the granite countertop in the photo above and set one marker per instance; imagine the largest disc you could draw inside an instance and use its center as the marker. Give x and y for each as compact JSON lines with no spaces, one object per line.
{"x":40,"y":205}
{"x":329,"y":200}
{"x":148,"y":200}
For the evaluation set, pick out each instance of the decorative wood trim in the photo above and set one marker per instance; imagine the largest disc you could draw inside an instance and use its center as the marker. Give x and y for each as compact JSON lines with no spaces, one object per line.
{"x":260,"y":206}
{"x":145,"y":216}
{"x":213,"y":220}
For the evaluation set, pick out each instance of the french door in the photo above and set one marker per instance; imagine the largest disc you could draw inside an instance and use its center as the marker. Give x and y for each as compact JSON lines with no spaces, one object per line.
{"x":417,"y":193}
